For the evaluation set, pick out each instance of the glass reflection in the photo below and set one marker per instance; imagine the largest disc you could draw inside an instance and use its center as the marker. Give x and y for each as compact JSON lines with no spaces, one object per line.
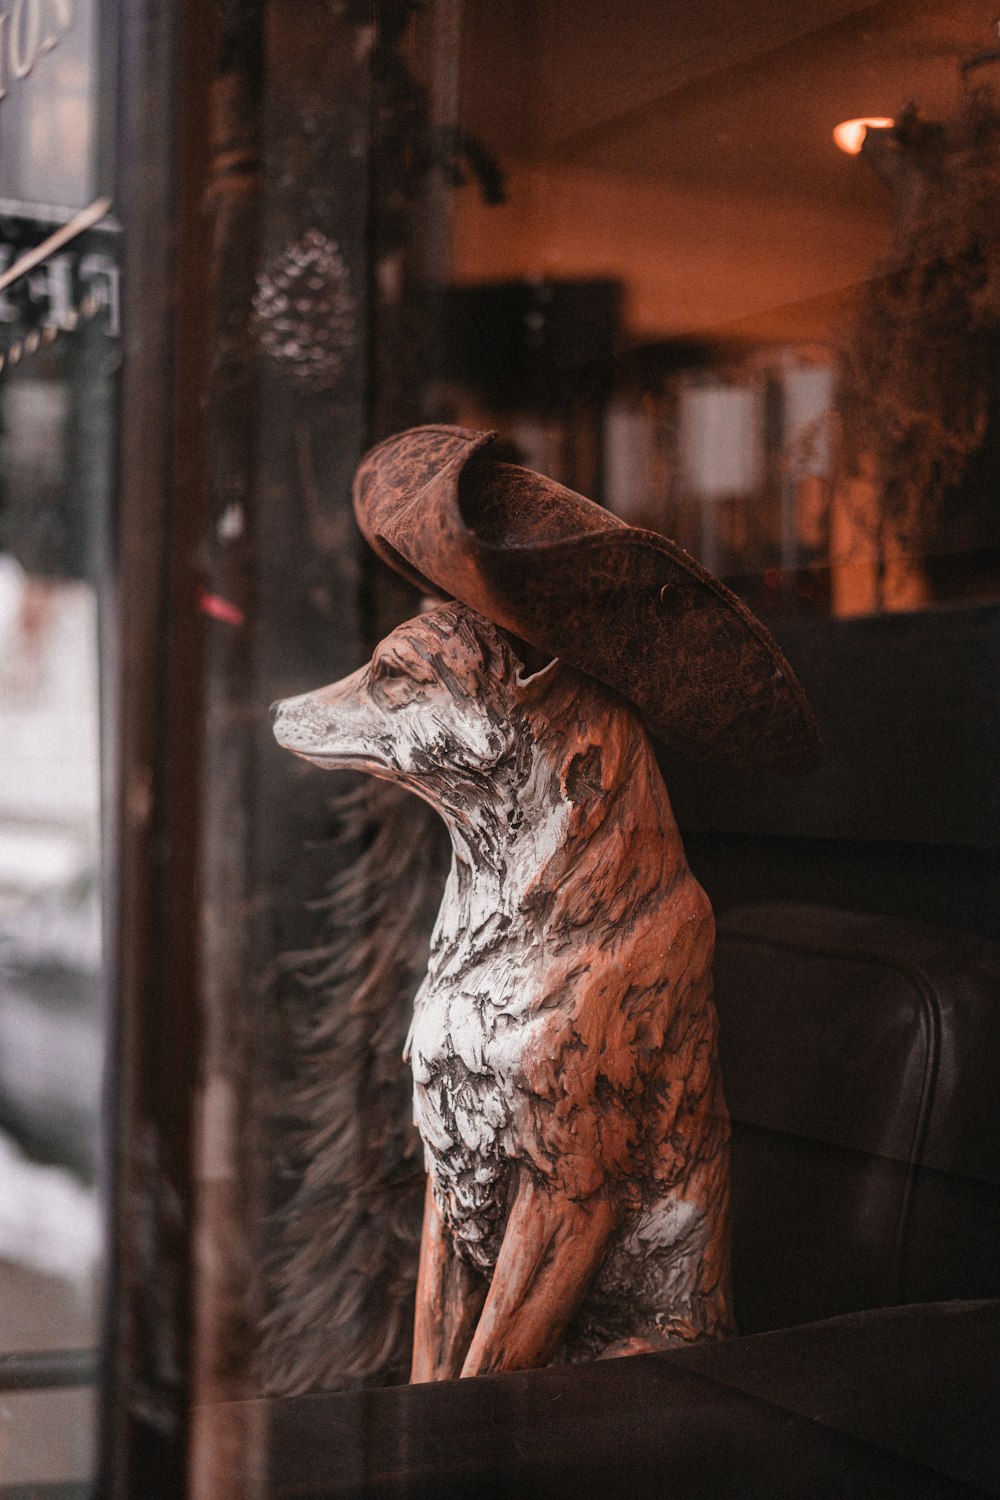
{"x":800,"y":383}
{"x":57,"y":361}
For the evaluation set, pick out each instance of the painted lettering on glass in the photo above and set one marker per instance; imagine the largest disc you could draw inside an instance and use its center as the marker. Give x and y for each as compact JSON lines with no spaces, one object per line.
{"x":28,"y":30}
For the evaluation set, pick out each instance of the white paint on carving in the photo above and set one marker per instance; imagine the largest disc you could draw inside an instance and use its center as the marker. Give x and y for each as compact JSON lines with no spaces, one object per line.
{"x":663,"y":1226}
{"x":451,"y":728}
{"x":499,"y":794}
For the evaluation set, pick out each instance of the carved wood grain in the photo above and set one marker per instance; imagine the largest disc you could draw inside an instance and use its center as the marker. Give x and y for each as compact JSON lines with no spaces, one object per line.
{"x":449,"y":1300}
{"x":563,"y":1043}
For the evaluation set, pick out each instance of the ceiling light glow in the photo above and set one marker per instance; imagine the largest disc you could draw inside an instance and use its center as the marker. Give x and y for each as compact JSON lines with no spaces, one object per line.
{"x":849,"y":135}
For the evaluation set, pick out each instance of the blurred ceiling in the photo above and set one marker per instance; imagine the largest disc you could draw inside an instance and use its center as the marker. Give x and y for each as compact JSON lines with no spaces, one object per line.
{"x":700,"y":136}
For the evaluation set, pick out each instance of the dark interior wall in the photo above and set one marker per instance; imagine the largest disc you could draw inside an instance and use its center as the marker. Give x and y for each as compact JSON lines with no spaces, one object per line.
{"x":905,"y":704}
{"x":902,"y":815}
{"x":942,"y":884}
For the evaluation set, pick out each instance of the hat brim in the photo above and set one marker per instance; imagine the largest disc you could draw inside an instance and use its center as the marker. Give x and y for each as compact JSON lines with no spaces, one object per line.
{"x":627,"y":606}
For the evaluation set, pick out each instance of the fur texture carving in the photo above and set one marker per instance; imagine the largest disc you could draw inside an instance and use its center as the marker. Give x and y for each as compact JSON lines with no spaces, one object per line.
{"x":563,"y":1040}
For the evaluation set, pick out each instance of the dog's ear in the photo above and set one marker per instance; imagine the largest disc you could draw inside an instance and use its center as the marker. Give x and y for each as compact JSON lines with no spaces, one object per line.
{"x":529,"y":662}
{"x":531,"y":659}
{"x":537,"y":674}
{"x":581,"y":775}
{"x":531,"y":687}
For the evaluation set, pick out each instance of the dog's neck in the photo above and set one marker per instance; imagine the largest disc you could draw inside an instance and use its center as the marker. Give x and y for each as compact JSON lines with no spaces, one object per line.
{"x":518,"y":833}
{"x":504,"y":829}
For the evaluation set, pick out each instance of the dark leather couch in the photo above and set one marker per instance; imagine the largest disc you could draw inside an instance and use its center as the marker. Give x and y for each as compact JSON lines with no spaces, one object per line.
{"x":861,"y":1057}
{"x":862,"y":1060}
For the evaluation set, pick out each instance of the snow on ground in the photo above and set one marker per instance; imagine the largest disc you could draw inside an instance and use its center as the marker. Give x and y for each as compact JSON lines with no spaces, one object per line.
{"x":50,"y":1023}
{"x":49,"y":1222}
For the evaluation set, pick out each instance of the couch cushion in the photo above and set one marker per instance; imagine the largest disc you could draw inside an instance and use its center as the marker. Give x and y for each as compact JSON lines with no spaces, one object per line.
{"x":896,"y":1404}
{"x":860,"y":1056}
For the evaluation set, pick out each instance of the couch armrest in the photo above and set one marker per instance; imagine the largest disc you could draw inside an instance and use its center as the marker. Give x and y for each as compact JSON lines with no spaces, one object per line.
{"x":897,"y":1402}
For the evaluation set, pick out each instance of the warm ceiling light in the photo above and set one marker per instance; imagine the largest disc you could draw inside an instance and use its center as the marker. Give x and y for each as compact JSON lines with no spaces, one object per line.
{"x":850,"y":134}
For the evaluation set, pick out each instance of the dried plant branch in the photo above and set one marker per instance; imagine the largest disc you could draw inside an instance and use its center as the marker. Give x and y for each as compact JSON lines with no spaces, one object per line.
{"x":919,"y":359}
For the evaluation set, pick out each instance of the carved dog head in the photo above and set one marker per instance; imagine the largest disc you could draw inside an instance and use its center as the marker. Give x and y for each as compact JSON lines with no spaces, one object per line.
{"x":442,"y":692}
{"x":448,"y":708}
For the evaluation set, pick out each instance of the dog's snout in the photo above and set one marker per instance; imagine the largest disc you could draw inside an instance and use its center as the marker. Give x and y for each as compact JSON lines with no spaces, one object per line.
{"x":275,"y":709}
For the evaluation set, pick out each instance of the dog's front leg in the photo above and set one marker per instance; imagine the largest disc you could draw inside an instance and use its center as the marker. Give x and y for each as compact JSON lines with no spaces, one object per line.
{"x":551,"y":1248}
{"x":449,"y":1300}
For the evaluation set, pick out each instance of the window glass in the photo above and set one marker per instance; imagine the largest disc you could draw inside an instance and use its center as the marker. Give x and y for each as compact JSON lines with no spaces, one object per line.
{"x":626,"y":239}
{"x":696,"y":307}
{"x":711,"y":270}
{"x":58,"y":340}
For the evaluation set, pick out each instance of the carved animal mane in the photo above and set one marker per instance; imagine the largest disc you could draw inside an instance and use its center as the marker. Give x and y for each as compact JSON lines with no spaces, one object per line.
{"x":608,"y":780}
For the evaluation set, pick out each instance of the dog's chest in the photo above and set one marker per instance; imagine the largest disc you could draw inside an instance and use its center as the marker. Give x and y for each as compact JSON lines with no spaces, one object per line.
{"x":472,"y":1026}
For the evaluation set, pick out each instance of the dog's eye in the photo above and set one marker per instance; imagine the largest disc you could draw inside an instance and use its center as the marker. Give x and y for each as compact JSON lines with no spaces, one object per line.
{"x":390,"y":681}
{"x":385,"y":669}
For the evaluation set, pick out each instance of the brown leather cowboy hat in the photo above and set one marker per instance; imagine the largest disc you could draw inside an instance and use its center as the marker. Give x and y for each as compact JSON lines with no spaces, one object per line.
{"x":629,"y":607}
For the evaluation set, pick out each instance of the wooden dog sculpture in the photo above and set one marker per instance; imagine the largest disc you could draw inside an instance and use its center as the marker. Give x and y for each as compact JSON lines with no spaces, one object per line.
{"x":563,"y":1041}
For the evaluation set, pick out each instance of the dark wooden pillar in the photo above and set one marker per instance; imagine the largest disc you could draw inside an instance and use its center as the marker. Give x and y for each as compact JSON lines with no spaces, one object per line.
{"x":166,"y":59}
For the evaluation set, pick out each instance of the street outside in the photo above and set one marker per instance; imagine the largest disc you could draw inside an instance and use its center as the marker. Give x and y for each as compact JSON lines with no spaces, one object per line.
{"x":51,"y":1033}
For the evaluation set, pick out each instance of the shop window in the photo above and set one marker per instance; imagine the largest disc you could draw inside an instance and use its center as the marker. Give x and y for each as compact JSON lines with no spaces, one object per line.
{"x":59,"y":331}
{"x":708,"y":268}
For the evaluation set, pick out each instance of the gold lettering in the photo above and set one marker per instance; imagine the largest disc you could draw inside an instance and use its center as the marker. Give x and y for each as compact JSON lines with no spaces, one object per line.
{"x":29,"y":29}
{"x":60,"y":20}
{"x":25,"y":36}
